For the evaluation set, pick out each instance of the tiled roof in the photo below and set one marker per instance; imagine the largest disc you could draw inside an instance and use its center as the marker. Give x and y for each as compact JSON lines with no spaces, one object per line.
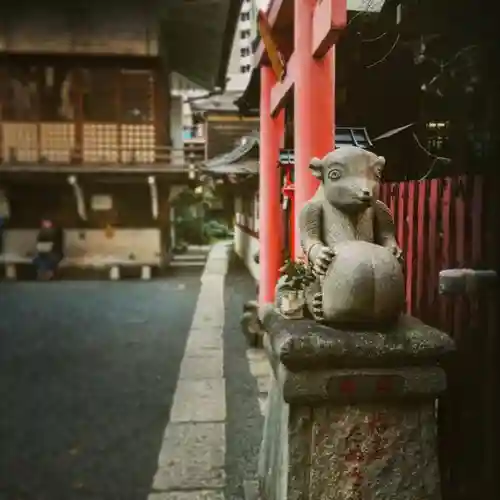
{"x":244,"y":158}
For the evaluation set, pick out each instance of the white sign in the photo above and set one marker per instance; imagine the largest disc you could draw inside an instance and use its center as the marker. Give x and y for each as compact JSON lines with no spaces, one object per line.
{"x":100,"y":202}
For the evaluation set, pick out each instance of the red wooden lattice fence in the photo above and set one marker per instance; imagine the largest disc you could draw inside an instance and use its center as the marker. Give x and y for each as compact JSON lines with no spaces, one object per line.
{"x":452,"y":223}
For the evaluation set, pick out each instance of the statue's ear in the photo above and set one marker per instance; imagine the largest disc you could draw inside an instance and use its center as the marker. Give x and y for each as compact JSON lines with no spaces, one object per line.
{"x":381,"y":163}
{"x":379,"y":166}
{"x":316,"y":167}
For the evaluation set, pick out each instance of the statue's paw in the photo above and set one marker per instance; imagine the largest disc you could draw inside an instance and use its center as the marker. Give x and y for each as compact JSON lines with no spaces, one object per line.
{"x":323,"y":260}
{"x":398,"y":253}
{"x":317,"y":307}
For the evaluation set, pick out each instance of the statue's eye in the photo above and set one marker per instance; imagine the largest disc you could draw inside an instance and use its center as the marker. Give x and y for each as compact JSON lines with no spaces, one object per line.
{"x":378,"y":173}
{"x":334,"y":174}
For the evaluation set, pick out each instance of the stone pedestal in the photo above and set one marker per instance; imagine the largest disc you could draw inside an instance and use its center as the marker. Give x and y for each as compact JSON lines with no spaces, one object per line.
{"x":351,"y":414}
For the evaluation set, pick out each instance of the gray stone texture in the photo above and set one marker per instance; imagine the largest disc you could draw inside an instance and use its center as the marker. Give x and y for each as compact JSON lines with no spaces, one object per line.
{"x":369,"y":442}
{"x":372,"y":452}
{"x":306,"y":345}
{"x":188,"y":495}
{"x":192,"y":457}
{"x":348,"y":237}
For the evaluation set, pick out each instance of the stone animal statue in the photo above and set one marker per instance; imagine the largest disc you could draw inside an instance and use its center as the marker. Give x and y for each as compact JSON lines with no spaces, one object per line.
{"x":349,"y":240}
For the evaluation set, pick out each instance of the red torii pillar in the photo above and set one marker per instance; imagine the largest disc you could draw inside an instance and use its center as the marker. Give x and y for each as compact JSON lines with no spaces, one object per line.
{"x":270,"y":218}
{"x":309,"y":75}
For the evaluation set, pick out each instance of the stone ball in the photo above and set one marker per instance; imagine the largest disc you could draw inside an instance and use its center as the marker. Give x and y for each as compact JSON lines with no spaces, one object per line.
{"x":363,"y":284}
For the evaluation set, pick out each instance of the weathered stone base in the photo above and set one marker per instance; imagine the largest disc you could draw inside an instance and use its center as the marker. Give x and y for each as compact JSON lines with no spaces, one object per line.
{"x":366,"y":452}
{"x":353,"y":430}
{"x":273,"y":458}
{"x":371,"y":452}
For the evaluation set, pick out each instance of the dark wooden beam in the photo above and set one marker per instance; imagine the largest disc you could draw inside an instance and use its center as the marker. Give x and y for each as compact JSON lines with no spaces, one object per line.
{"x":272,"y":15}
{"x":272,"y":49}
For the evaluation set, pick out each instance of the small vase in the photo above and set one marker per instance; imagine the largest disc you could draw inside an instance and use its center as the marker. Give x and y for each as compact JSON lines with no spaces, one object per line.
{"x":292,"y":304}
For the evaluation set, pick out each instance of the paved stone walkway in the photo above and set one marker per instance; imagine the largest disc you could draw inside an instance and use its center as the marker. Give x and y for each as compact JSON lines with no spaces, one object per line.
{"x":195,"y":462}
{"x":193,"y":452}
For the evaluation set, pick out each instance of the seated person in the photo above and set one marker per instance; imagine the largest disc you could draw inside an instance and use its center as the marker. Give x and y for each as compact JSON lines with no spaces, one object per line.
{"x":49,"y":249}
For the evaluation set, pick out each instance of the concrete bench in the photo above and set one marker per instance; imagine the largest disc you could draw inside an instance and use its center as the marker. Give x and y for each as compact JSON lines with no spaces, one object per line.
{"x":10,"y":263}
{"x":113,"y":265}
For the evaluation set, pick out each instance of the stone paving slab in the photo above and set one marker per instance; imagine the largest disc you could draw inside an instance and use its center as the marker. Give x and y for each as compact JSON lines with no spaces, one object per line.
{"x":191,"y":464}
{"x":192,"y":457}
{"x":188,"y":495}
{"x":207,"y":366}
{"x":199,"y":401}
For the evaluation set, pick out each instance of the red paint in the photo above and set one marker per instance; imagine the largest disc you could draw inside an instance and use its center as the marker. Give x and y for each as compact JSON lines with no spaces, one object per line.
{"x":271,"y":133}
{"x":410,"y":248}
{"x":291,"y":223}
{"x":460,"y":307}
{"x":329,"y":19}
{"x":366,"y":443}
{"x":421,"y":257}
{"x":432,"y":246}
{"x":400,"y":226}
{"x":384,"y":384}
{"x":401,"y":221}
{"x":289,"y":191}
{"x":313,"y":107}
{"x":477,"y":220}
{"x":476,"y":237}
{"x":445,"y":245}
{"x":313,"y":86}
{"x":449,"y":232}
{"x":347,"y":386}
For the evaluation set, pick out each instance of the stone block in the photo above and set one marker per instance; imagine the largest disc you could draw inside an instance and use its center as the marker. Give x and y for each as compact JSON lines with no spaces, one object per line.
{"x":199,"y":401}
{"x":114,"y":273}
{"x":351,"y":414}
{"x":11,"y":271}
{"x":192,"y":458}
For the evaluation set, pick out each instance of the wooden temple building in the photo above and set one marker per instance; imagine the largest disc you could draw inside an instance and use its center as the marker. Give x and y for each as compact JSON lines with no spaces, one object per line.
{"x":86,"y":123}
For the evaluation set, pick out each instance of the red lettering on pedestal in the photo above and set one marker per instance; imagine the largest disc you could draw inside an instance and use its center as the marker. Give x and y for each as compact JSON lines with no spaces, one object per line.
{"x":366,"y":444}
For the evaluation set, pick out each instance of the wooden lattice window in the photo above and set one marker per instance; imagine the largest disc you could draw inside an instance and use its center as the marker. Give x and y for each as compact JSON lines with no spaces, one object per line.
{"x":19,"y":93}
{"x":136,"y":96}
{"x":99,"y":94}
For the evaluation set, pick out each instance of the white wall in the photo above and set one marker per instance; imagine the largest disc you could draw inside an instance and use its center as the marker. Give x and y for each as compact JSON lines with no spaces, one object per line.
{"x":176,"y":122}
{"x":92,"y":246}
{"x":245,"y":247}
{"x":246,"y":244}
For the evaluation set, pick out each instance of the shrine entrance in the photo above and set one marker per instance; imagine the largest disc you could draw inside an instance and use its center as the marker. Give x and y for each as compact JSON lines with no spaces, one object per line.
{"x":299,"y":62}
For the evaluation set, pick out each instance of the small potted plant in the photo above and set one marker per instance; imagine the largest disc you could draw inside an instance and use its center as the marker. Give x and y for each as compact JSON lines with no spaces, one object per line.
{"x":295,"y":276}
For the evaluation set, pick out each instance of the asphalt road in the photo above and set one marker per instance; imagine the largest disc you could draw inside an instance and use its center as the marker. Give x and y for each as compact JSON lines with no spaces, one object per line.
{"x":87,"y":375}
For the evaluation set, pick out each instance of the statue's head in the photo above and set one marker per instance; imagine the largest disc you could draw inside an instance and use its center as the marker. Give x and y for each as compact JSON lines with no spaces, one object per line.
{"x":350,"y":177}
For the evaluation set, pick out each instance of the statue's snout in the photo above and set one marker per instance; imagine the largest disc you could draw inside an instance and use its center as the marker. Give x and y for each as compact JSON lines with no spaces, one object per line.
{"x":365,"y":195}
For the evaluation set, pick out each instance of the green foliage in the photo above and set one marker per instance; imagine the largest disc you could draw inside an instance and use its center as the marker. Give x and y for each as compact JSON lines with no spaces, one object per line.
{"x":297,"y":274}
{"x":189,"y":228}
{"x":214,"y":230}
